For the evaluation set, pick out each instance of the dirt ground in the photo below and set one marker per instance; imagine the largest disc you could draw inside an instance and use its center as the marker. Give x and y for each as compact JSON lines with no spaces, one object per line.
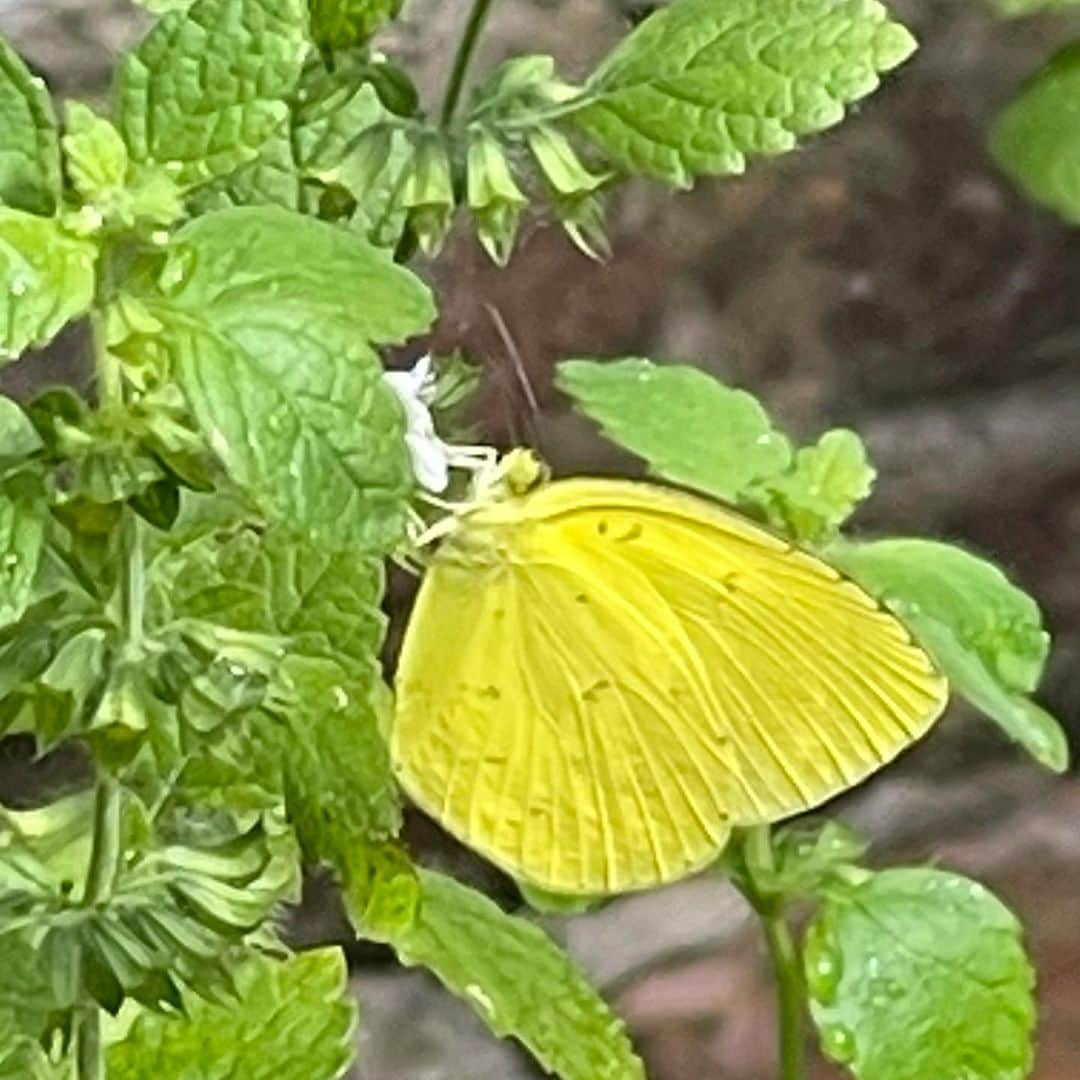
{"x":885,"y":277}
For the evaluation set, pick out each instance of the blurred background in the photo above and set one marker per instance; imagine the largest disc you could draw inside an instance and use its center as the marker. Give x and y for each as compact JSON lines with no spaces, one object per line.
{"x":885,"y":277}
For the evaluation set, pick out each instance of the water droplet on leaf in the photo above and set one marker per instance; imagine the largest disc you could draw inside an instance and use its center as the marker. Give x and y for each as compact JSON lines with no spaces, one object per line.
{"x":838,"y":1043}
{"x":823,"y":976}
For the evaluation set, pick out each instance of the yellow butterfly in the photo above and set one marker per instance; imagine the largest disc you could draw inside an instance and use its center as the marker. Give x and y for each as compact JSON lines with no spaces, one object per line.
{"x":602,"y":677}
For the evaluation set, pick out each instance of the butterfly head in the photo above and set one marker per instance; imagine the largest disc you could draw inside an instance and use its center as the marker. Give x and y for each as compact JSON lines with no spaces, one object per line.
{"x":516,"y":473}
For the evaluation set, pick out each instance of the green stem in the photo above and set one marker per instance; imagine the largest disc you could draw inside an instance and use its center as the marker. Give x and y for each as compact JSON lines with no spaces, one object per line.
{"x":786,"y":963}
{"x":469,"y":40}
{"x":100,"y":876}
{"x":110,"y":385}
{"x":105,"y":844}
{"x":89,"y":1052}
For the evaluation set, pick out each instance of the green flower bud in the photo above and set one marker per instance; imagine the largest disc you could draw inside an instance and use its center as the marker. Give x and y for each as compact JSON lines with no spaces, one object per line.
{"x":582,"y":216}
{"x":559,"y":163}
{"x":428,"y":192}
{"x":494,"y":198}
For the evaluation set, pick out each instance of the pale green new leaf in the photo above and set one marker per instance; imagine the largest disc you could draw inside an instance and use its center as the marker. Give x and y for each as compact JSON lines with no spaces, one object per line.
{"x":917,"y":974}
{"x":341,"y":24}
{"x":292,"y":1020}
{"x":23,"y":515}
{"x":820,"y":491}
{"x":207,"y":86}
{"x":47,"y":278}
{"x":702,"y":85}
{"x":1036,"y":140}
{"x":30,"y":147}
{"x":96,"y":157}
{"x":985,"y":634}
{"x":690,"y":428}
{"x":275,"y":355}
{"x":518,"y":980}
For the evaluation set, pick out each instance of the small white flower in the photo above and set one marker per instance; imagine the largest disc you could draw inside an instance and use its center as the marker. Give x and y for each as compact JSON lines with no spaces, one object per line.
{"x":415,"y":389}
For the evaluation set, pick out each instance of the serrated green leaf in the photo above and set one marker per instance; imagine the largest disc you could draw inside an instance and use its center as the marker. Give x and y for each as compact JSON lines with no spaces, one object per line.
{"x":23,"y":514}
{"x":690,"y":428}
{"x":96,"y":157}
{"x":30,"y":155}
{"x":518,"y":981}
{"x":988,"y":615}
{"x":47,"y":276}
{"x":341,"y":24}
{"x":207,"y":86}
{"x":918,"y":973}
{"x":1035,"y":141}
{"x":381,"y":890}
{"x":319,"y":728}
{"x":984,"y":633}
{"x":702,"y":85}
{"x":292,"y":1020}
{"x":275,"y":357}
{"x":326,"y":736}
{"x":821,"y":489}
{"x":1021,"y":719}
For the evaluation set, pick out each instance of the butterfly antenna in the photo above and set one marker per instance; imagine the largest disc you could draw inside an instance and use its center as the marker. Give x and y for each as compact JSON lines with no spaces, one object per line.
{"x":519,"y":367}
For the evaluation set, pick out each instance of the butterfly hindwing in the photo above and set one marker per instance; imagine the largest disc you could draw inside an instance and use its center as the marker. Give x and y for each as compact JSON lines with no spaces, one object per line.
{"x":601,"y":677}
{"x":548,"y":723}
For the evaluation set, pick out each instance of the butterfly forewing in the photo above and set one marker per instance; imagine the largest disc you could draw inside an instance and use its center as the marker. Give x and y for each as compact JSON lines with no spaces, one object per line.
{"x":601,"y":677}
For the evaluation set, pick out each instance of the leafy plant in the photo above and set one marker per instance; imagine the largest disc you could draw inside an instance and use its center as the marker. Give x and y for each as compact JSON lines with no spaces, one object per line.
{"x":1033,"y":140}
{"x":192,"y":559}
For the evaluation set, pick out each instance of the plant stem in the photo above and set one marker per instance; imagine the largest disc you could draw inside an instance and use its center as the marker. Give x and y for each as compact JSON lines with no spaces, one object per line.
{"x":100,"y":876}
{"x":89,"y":1053}
{"x":467,"y":46}
{"x":786,"y":964}
{"x":105,"y":844}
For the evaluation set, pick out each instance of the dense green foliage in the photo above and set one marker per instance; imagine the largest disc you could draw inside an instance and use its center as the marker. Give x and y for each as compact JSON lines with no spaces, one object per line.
{"x":192,"y":557}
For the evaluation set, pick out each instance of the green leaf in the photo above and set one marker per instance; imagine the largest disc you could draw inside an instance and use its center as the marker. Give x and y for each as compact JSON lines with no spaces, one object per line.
{"x":517,"y":979}
{"x":701,"y":85}
{"x":275,"y":355}
{"x":989,"y":615}
{"x":18,"y":436}
{"x":207,"y":86}
{"x":552,"y":903}
{"x":319,"y":727}
{"x":821,"y":489}
{"x":326,"y":737}
{"x":23,"y":514}
{"x":984,"y":633}
{"x":292,"y":1020}
{"x":21,"y":1055}
{"x":30,"y":155}
{"x":918,"y":973}
{"x":97,"y":159}
{"x":806,"y":859}
{"x":48,"y":278}
{"x":341,"y":24}
{"x":1035,"y":141}
{"x":1021,"y":719}
{"x":690,"y":428}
